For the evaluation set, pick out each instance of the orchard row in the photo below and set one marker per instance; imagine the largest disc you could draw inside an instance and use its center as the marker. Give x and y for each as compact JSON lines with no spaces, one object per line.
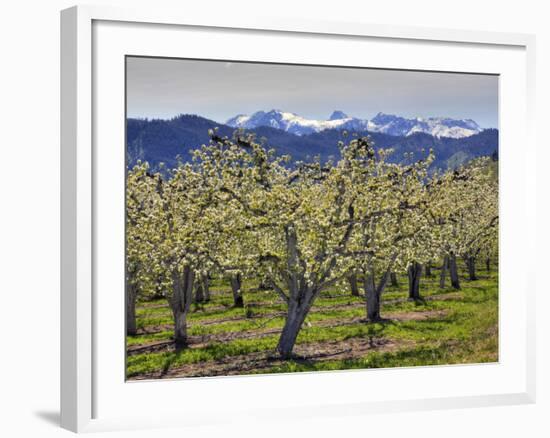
{"x":238,"y":210}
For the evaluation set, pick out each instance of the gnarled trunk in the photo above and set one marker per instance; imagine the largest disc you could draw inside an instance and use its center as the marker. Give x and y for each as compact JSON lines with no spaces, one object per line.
{"x":300,"y":296}
{"x":488,"y":264}
{"x":352,"y":280}
{"x":428,"y":269}
{"x":443,"y":274}
{"x":131,"y":297}
{"x":180,"y":302}
{"x":202,"y":290}
{"x":236,"y":284}
{"x":199,"y":293}
{"x":453,"y":271}
{"x":393,"y":280}
{"x":373,"y":292}
{"x":414,"y":273}
{"x":296,"y":314}
{"x":372,"y":297}
{"x":180,"y":326}
{"x":471,"y":264}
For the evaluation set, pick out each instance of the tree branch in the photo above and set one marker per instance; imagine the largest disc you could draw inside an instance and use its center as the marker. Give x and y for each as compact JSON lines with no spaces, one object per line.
{"x":278,"y":289}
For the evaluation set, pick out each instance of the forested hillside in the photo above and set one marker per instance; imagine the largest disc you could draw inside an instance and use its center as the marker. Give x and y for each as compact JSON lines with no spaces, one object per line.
{"x":162,"y":141}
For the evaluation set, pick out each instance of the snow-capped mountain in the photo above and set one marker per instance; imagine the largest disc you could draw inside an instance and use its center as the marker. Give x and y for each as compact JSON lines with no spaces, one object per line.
{"x":436,"y":126}
{"x":295,"y":124}
{"x":384,"y":123}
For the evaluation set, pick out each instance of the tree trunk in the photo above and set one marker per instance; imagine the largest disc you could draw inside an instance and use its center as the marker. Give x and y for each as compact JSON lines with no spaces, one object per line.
{"x":199,"y":292}
{"x":453,"y":272}
{"x":443,"y":274}
{"x":393,"y":280}
{"x":428,"y":269}
{"x":414,"y":273}
{"x":372,"y":297}
{"x":236,"y":289}
{"x":180,"y":326}
{"x":131,"y":296}
{"x":205,"y":287}
{"x":202,"y":291}
{"x":180,"y":302}
{"x":471,"y":264}
{"x":373,"y":291}
{"x":295,"y":318}
{"x":488,"y":264}
{"x":352,"y":279}
{"x":300,"y":301}
{"x":300,"y":296}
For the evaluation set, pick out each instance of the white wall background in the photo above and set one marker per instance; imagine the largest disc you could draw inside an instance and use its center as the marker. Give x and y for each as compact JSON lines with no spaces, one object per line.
{"x":29,"y":214}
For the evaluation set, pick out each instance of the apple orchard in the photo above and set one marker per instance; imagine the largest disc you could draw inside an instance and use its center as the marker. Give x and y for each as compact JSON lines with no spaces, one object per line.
{"x":238,"y":212}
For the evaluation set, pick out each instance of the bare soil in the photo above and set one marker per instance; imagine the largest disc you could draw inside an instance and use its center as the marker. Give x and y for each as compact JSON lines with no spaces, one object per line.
{"x":204,"y":340}
{"x":309,"y":353}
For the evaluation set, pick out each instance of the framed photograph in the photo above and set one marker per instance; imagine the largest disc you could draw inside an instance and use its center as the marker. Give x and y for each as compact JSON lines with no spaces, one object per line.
{"x":272,"y":218}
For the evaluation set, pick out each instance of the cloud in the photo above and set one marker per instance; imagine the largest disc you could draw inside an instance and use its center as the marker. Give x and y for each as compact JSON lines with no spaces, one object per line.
{"x":163,"y":88}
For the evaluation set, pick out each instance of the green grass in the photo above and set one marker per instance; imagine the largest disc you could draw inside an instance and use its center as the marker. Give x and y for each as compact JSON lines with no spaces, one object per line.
{"x":464,"y":331}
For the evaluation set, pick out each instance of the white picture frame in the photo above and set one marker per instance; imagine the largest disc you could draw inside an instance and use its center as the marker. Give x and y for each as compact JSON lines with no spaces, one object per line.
{"x":93,"y":39}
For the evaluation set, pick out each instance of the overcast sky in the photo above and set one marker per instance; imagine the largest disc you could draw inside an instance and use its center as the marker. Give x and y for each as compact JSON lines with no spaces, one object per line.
{"x":164,"y":88}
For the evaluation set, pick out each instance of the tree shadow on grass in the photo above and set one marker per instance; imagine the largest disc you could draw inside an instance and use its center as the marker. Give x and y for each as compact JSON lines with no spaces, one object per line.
{"x":420,"y":301}
{"x":178,"y":349}
{"x":376,"y":329}
{"x":374,"y":336}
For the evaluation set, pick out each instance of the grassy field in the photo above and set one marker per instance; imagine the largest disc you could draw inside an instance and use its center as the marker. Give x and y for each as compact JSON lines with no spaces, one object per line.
{"x":450,"y":327}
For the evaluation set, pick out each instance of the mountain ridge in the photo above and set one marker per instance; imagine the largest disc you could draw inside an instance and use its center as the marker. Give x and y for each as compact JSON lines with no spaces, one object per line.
{"x":163,"y":141}
{"x":384,"y":123}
